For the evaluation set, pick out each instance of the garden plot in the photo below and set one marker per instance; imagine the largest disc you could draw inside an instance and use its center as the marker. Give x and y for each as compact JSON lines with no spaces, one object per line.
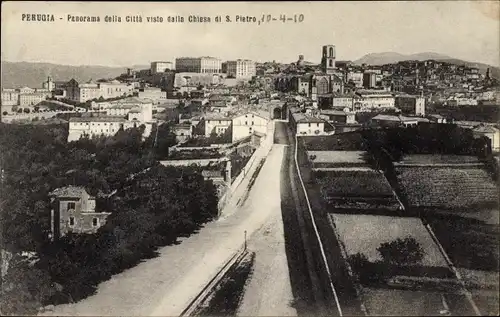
{"x":351,"y":141}
{"x":352,"y":183}
{"x":365,"y":233}
{"x":447,"y":187}
{"x":332,"y":159}
{"x":395,"y":302}
{"x":430,"y":159}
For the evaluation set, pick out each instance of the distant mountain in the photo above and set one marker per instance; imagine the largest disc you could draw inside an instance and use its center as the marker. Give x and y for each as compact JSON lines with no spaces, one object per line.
{"x":392,"y":57}
{"x":18,"y":74}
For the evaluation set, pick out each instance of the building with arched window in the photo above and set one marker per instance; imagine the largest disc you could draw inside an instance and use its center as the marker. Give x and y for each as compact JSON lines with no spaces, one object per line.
{"x":328,"y":59}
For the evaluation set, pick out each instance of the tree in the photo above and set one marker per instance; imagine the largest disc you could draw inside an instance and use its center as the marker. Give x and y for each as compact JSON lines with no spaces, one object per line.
{"x":405,"y":251}
{"x":25,"y":288}
{"x":4,"y":113}
{"x":27,"y":110}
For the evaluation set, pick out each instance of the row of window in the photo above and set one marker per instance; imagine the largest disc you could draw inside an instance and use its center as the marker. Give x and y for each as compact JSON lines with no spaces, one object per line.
{"x":72,"y":221}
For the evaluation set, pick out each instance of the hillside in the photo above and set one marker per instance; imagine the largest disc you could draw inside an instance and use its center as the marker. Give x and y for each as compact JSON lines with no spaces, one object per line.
{"x":393,"y":57}
{"x":495,"y":71}
{"x":18,"y":74}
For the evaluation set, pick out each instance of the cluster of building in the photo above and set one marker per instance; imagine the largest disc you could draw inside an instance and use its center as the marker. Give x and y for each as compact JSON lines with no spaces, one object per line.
{"x":119,"y":115}
{"x":24,"y":97}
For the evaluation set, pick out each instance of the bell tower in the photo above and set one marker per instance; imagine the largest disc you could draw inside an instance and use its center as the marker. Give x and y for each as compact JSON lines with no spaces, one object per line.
{"x":328,"y":59}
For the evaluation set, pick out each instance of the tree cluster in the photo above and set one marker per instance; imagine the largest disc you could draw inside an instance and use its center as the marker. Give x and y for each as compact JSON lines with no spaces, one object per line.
{"x":151,"y":206}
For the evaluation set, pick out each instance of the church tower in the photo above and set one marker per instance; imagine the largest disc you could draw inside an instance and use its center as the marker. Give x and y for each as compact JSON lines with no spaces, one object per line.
{"x":328,"y":59}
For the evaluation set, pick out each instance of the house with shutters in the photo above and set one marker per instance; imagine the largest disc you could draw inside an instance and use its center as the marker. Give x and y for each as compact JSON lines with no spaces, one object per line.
{"x":73,"y":210}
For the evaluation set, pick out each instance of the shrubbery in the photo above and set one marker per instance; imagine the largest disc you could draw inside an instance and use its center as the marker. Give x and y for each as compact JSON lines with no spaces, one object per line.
{"x":399,"y":257}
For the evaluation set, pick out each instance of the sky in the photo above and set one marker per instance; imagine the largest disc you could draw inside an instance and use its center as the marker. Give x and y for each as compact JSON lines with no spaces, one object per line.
{"x":459,"y":29}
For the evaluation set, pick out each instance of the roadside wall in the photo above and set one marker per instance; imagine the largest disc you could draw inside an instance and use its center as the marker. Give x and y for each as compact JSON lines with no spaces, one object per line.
{"x":261,"y":152}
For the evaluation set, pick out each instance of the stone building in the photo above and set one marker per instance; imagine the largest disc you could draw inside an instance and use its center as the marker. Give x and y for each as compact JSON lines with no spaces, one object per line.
{"x":73,"y":210}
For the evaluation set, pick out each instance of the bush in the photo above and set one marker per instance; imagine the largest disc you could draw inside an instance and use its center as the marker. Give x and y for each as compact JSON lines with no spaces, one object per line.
{"x":366,"y":272}
{"x":405,"y":251}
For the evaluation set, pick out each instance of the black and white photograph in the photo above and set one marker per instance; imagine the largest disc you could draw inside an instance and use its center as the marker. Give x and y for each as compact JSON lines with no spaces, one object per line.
{"x":250,"y":158}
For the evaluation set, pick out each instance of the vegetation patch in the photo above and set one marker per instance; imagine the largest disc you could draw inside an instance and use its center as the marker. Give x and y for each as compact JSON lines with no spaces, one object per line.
{"x":350,"y":141}
{"x":149,"y":210}
{"x":225,"y":300}
{"x":448,"y":187}
{"x":400,"y":257}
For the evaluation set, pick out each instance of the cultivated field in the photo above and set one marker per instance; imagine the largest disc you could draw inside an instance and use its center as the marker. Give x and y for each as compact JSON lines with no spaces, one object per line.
{"x":364,"y":234}
{"x":358,"y":189}
{"x":331,"y":159}
{"x":351,"y":141}
{"x":397,"y":302}
{"x":461,"y":205}
{"x":437,"y":159}
{"x":447,"y":188}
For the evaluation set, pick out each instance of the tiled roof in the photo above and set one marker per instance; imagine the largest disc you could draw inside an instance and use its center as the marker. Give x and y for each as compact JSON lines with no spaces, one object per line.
{"x":334,"y":112}
{"x":485,"y":129}
{"x":68,"y":191}
{"x":215,"y":116}
{"x":122,"y":106}
{"x":98,"y":119}
{"x":304,"y":118}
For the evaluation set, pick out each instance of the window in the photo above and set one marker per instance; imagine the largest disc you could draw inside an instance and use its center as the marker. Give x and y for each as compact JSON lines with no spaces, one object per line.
{"x":252,"y":123}
{"x":309,"y":124}
{"x":71,"y":205}
{"x":95,"y":222}
{"x":71,"y":221}
{"x":318,"y":124}
{"x":246,"y":122}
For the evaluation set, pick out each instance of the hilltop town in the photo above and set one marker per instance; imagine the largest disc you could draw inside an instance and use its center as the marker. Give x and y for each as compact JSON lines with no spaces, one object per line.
{"x":335,"y":186}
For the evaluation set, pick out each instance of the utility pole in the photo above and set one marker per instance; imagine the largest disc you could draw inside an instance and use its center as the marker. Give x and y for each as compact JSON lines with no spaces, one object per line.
{"x":245,"y":240}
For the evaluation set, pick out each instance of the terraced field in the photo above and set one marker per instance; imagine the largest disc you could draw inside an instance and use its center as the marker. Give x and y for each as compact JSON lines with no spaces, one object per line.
{"x":447,"y":188}
{"x":351,"y":141}
{"x":333,"y":159}
{"x":362,"y":189}
{"x":437,"y":159}
{"x":461,"y":205}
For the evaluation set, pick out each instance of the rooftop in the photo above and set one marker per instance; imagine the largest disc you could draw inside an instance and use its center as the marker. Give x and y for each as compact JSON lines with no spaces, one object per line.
{"x":485,"y":129}
{"x":68,"y":191}
{"x":386,"y":117}
{"x":300,"y":117}
{"x":216,"y":116}
{"x":373,"y":92}
{"x":98,"y":119}
{"x":335,"y":112}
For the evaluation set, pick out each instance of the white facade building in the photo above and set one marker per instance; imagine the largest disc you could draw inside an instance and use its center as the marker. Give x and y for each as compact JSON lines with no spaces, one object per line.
{"x":10,"y":97}
{"x":245,"y":124}
{"x":111,"y":124}
{"x":241,"y":68}
{"x":154,"y":94}
{"x":216,"y":123}
{"x":374,"y":99}
{"x":161,"y":67}
{"x":204,"y":65}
